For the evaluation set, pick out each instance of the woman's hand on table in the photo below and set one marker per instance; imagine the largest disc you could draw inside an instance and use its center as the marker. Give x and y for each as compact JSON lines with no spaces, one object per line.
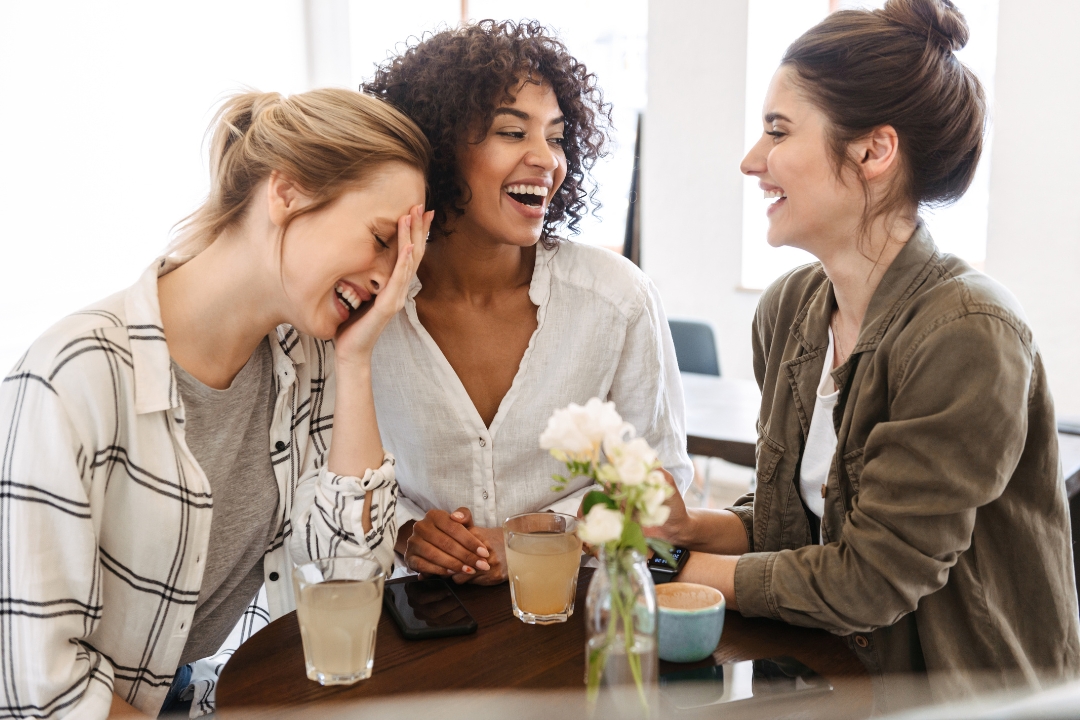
{"x":442,"y":545}
{"x":493,"y":540}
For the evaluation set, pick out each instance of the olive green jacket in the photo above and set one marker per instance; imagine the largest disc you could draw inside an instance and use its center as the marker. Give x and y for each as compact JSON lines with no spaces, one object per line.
{"x":946,"y":526}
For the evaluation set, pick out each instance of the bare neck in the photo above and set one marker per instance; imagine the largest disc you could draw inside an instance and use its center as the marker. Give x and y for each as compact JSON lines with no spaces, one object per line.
{"x":855,"y":268}
{"x":217,"y":307}
{"x":462,"y":267}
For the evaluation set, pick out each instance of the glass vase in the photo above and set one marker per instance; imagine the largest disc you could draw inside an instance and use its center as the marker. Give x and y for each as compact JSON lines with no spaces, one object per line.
{"x":620,"y":625}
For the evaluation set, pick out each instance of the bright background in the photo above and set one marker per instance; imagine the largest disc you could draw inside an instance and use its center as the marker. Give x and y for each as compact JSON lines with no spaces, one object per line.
{"x":106,"y":103}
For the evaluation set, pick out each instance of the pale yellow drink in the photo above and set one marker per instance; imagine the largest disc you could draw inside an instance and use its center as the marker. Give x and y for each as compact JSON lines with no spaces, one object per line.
{"x":338,"y":622}
{"x":543,"y":570}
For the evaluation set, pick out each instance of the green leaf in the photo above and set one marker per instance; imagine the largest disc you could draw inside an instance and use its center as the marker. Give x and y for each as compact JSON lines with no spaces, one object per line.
{"x":661,"y":548}
{"x":632,"y":537}
{"x":595,"y":497}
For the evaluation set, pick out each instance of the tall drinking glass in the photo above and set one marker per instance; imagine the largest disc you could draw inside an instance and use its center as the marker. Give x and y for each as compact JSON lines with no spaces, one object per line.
{"x":543,"y":555}
{"x":338,"y":603}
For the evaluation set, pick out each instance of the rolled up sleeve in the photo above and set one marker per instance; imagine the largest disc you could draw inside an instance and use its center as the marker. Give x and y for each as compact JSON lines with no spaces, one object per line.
{"x":956,"y":429}
{"x":329,"y":509}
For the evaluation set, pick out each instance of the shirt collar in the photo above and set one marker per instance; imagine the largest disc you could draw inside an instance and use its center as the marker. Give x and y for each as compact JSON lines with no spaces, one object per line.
{"x":155,"y":386}
{"x":903,"y":277}
{"x":539,"y":286}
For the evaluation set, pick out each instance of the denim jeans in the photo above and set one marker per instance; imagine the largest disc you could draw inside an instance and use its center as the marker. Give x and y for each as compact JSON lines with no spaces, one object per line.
{"x":175,"y":702}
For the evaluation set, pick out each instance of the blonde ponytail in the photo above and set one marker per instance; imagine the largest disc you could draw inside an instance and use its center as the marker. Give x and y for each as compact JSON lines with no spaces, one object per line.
{"x":327,"y":141}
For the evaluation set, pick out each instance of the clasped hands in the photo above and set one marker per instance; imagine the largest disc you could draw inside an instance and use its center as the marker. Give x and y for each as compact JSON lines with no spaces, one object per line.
{"x":449,"y":545}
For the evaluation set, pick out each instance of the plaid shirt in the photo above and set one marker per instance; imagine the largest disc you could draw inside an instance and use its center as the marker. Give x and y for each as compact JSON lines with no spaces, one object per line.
{"x":105,"y":514}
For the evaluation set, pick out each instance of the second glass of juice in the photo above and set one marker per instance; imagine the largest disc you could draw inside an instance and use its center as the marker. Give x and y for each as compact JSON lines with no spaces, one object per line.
{"x":543,"y":554}
{"x":338,"y":604}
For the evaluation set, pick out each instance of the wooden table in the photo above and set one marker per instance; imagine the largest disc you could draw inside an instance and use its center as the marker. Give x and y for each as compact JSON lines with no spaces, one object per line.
{"x":721,"y":417}
{"x":504,"y":653}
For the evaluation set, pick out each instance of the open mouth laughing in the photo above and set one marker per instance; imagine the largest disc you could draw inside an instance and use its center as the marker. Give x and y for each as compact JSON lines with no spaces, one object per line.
{"x":349,"y":297}
{"x":777,"y":194}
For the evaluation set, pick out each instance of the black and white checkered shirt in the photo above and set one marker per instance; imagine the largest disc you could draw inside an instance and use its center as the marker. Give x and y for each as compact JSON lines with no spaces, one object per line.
{"x":105,"y":514}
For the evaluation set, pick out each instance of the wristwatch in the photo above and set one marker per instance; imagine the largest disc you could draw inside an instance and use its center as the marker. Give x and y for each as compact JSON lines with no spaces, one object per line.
{"x":662,"y":571}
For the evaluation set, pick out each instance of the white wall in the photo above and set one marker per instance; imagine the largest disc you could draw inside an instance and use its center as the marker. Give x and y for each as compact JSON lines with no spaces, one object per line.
{"x":105,"y":105}
{"x":691,"y":186}
{"x":1033,"y":244}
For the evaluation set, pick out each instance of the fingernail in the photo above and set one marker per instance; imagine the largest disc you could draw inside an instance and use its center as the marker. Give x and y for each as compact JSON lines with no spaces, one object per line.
{"x":458,"y":516}
{"x":481,"y":565}
{"x":467,"y":570}
{"x":483,"y":551}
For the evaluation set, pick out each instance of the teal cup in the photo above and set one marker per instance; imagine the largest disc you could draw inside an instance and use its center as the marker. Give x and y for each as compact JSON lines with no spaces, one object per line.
{"x":691,"y":618}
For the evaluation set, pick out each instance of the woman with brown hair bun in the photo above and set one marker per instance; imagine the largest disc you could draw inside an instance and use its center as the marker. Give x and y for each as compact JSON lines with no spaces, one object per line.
{"x":909,"y":494}
{"x":505,"y":322}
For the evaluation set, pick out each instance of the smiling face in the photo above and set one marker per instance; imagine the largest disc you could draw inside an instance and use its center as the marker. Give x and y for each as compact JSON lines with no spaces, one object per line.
{"x":513,"y":173}
{"x":811,"y":207}
{"x":338,"y":257}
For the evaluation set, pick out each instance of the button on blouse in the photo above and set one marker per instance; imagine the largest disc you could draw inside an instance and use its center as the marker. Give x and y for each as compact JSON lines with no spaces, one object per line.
{"x":601,"y":332}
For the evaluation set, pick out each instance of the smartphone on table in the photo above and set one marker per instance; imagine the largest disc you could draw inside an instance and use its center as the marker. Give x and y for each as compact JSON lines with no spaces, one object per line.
{"x":751,"y":681}
{"x":427,"y":609}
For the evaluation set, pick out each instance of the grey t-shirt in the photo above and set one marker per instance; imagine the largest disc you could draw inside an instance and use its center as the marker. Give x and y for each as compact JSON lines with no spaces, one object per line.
{"x":228,"y":432}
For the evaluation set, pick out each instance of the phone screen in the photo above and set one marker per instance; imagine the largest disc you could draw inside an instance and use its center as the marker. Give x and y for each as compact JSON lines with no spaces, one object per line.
{"x":427,"y":608}
{"x":771,"y":678}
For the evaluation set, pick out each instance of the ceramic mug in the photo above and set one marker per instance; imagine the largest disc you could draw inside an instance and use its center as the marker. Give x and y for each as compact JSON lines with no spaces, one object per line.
{"x":691,"y":618}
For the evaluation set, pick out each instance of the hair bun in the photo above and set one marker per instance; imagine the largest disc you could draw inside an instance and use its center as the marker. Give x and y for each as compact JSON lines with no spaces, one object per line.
{"x":937,"y":20}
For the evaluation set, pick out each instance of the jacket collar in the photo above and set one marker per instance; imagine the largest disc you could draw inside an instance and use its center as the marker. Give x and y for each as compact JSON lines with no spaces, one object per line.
{"x":908,"y":271}
{"x":155,"y":386}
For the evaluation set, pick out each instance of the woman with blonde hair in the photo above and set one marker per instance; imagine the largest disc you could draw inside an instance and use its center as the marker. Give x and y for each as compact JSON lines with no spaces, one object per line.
{"x":168,"y":449}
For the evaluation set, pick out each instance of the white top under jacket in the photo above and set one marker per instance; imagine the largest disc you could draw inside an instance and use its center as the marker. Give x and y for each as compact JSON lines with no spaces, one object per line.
{"x":601,"y":332}
{"x":820,"y":440}
{"x":105,"y":514}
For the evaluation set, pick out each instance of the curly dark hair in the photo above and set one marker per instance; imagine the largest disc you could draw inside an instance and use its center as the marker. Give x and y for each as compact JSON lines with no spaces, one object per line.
{"x":450,"y":83}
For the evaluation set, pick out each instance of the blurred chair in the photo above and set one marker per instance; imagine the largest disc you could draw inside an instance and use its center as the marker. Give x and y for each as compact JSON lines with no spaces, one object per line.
{"x":695,"y":351}
{"x":695,"y":347}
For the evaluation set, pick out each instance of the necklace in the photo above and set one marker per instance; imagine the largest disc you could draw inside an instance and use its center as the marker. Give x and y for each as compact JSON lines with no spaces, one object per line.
{"x":842,"y":356}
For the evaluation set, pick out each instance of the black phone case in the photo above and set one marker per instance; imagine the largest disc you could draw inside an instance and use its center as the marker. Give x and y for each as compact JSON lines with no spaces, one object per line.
{"x":413,"y":633}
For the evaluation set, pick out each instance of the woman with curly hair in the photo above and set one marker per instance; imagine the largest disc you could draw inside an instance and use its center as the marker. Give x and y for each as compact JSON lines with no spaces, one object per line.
{"x":506,"y":322}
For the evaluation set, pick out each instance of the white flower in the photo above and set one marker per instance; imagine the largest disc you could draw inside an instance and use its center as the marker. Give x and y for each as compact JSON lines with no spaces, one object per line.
{"x":652,"y":511}
{"x":579,"y":430}
{"x":633,"y":460}
{"x":601,"y":525}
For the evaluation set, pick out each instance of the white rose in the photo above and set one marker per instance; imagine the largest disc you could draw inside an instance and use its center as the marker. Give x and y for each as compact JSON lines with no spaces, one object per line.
{"x":601,"y":525}
{"x":597,"y":419}
{"x":563,"y":434}
{"x":652,"y":511}
{"x":655,"y":519}
{"x":578,"y":429}
{"x":633,"y":460}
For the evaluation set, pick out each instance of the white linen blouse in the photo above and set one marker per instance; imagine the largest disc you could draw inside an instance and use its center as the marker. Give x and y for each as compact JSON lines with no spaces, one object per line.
{"x":601,"y":332}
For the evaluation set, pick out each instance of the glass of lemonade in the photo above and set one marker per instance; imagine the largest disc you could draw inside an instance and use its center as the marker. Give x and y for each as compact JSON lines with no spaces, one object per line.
{"x":543,"y":555}
{"x":338,"y":603}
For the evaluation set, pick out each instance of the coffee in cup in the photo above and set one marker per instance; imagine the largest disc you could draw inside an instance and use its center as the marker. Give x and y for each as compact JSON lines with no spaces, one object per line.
{"x":691,"y":619}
